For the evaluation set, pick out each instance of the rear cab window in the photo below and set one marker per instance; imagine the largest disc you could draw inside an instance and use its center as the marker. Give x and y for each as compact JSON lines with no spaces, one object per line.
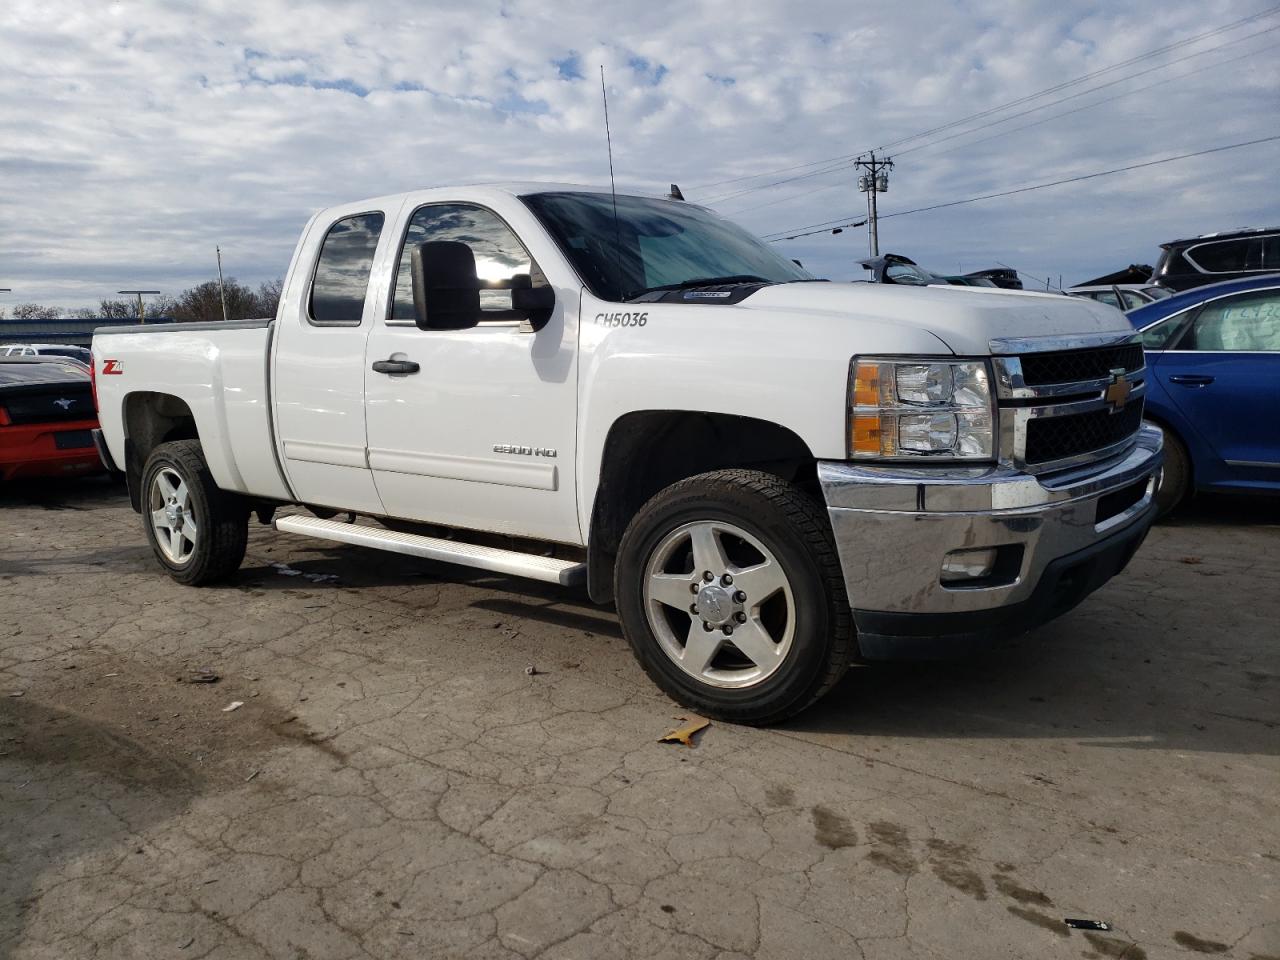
{"x":341,"y":280}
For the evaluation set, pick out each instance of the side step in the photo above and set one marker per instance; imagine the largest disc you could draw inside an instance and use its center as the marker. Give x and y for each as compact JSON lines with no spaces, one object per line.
{"x":567,"y":573}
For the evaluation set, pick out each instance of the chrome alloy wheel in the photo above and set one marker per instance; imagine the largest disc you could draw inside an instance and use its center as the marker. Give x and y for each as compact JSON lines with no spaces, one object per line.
{"x":172,"y":518}
{"x":719,"y":603}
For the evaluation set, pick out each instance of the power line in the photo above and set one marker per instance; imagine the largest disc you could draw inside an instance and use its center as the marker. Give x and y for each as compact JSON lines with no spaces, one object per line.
{"x":1089,"y":76}
{"x":797,"y":232}
{"x":1083,"y":93}
{"x":1026,"y":126}
{"x":845,"y":158}
{"x":1098,"y":103}
{"x":1012,"y":116}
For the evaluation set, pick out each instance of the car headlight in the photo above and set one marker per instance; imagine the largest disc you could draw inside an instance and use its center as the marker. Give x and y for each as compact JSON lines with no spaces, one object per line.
{"x":909,"y":409}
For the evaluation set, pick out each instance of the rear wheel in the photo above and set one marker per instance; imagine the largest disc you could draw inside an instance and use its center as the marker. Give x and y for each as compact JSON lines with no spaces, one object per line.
{"x":1175,"y":480}
{"x":198,"y":531}
{"x":730,"y":593}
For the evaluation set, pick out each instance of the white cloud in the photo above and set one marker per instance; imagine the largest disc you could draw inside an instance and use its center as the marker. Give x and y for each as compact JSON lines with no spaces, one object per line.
{"x":136,"y":136}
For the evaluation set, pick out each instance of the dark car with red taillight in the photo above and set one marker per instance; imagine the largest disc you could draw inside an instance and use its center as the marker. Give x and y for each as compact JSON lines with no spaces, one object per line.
{"x":47,"y":417}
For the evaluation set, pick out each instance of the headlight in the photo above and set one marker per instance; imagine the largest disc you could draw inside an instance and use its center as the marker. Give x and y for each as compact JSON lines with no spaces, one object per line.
{"x":906,"y":409}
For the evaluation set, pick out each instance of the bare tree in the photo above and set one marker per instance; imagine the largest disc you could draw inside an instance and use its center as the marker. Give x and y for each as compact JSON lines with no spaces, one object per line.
{"x":34,"y":311}
{"x":83,"y":313}
{"x":269,"y":297}
{"x":118,"y":309}
{"x":202,"y":303}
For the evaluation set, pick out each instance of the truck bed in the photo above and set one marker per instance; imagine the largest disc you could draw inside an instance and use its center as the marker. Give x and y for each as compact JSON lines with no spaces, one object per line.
{"x":219,"y":371}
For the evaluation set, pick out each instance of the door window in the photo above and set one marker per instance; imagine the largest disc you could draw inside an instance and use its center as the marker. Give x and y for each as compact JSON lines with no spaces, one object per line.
{"x":342,"y":271}
{"x":1223,"y":256}
{"x":1132,"y":300}
{"x":499,"y":256}
{"x":1248,"y":323}
{"x":1158,"y":336}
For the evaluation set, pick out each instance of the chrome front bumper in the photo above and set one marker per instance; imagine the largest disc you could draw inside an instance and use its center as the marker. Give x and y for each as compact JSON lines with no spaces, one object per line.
{"x":893,"y":527}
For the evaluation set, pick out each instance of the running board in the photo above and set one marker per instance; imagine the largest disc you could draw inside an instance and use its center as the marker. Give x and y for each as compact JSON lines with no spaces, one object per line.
{"x":567,"y":573}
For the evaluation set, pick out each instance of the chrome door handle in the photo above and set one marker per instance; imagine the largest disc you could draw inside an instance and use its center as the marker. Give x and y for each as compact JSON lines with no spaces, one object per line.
{"x":1190,"y":379}
{"x":395,"y":366}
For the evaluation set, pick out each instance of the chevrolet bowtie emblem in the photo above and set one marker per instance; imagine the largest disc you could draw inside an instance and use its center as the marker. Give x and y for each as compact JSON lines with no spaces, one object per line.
{"x":1117,"y":392}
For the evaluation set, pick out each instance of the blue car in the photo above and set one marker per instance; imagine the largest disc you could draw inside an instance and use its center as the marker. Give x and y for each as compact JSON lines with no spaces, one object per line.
{"x":1213,"y":361}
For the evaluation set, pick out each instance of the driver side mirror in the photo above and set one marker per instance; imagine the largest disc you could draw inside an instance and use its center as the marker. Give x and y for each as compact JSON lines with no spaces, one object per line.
{"x":446,"y":290}
{"x":536,"y":303}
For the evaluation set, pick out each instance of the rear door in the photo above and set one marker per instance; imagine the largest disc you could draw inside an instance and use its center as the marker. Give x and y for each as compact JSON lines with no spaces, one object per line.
{"x":1223,"y":374}
{"x":482,"y":434}
{"x":318,"y":380}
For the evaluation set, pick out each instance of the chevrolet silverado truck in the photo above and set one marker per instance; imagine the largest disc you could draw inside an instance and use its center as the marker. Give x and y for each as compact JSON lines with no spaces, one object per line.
{"x":769,"y":475}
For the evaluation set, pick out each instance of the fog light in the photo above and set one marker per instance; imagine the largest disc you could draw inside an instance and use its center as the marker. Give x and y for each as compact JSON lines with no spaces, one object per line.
{"x":968,"y":564}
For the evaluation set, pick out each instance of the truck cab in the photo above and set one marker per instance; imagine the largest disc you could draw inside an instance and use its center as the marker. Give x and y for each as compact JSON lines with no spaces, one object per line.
{"x":768,"y":474}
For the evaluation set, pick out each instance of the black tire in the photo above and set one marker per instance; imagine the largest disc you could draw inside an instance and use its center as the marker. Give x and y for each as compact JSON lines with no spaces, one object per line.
{"x":222,"y":518}
{"x":796,"y":531}
{"x":1175,"y":481}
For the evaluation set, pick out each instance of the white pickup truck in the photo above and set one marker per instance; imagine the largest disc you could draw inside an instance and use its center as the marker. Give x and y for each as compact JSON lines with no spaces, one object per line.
{"x":770,"y":475}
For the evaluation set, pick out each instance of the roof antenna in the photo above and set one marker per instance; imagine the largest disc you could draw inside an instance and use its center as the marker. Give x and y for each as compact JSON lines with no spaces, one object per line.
{"x":613,"y":190}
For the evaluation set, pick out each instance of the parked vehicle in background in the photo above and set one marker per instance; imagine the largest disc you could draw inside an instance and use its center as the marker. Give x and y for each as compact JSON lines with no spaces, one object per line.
{"x":45,"y":350}
{"x":1122,"y":296}
{"x":1213,"y":361}
{"x":46,"y":418}
{"x":1215,"y":257}
{"x":895,"y":268}
{"x":768,"y":476}
{"x":1004,"y":277}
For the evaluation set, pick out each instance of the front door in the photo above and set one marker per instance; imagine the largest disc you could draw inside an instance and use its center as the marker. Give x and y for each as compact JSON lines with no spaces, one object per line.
{"x":482,"y":434}
{"x":1223,"y":373}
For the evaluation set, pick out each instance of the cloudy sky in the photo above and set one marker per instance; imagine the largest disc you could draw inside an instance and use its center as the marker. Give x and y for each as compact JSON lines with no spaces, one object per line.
{"x":135,"y":136}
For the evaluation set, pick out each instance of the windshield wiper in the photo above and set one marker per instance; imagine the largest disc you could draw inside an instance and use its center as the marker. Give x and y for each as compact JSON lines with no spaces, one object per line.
{"x":699,"y":282}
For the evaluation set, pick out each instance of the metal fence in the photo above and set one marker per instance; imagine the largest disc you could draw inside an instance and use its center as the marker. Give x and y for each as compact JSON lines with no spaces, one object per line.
{"x":74,"y":331}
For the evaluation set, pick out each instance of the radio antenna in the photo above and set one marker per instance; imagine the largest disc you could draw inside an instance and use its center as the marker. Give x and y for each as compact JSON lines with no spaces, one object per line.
{"x":613,"y":189}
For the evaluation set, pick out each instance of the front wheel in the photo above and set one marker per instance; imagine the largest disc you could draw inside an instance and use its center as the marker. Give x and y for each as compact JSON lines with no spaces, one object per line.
{"x":198,"y":531}
{"x":730,"y":593}
{"x":1175,"y":480}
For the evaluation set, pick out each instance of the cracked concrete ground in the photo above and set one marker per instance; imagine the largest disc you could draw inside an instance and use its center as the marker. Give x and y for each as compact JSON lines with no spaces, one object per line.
{"x":396,"y":785}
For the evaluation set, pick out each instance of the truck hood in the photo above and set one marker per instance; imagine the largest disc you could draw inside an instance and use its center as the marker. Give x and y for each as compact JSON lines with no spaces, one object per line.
{"x":966,"y":319}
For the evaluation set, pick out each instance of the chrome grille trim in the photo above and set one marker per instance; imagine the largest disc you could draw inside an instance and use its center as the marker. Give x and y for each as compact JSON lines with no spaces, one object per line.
{"x":1056,"y":341}
{"x":1017,"y":409}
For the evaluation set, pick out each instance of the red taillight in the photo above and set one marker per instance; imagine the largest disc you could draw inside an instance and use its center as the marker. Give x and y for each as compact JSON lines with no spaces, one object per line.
{"x":93,"y":379}
{"x":4,"y":417}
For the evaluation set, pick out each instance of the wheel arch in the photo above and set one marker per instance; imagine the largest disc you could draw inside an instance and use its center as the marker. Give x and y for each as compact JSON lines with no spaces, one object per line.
{"x":648,"y":450}
{"x":150,"y":419}
{"x":1167,"y":426}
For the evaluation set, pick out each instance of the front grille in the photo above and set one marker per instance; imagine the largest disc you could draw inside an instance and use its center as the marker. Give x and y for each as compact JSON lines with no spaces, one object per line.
{"x":1057,"y":438}
{"x":1071,"y":366}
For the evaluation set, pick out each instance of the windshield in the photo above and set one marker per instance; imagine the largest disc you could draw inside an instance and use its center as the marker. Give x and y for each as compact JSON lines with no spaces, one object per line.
{"x":655,"y":243}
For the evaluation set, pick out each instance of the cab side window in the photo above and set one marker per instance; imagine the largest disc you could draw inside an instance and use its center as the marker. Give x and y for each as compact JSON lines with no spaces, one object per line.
{"x":1247,"y":323}
{"x":342,"y":271}
{"x":499,"y":256}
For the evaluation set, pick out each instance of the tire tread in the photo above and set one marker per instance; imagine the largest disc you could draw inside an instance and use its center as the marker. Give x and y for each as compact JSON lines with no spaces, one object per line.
{"x":809,"y":520}
{"x":228,"y":532}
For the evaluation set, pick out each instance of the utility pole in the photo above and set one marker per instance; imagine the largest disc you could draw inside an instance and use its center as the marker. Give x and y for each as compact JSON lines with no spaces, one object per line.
{"x":222,"y":294}
{"x":142,"y":310}
{"x":874,"y":181}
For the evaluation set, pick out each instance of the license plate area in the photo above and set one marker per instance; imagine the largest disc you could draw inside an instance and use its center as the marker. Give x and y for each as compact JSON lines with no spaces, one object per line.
{"x":73,"y":439}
